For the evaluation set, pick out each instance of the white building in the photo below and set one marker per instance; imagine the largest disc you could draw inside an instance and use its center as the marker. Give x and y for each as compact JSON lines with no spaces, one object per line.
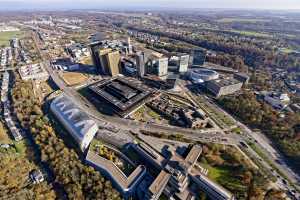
{"x":202,"y":75}
{"x":162,"y":67}
{"x":33,"y":72}
{"x":278,"y":101}
{"x":77,"y":122}
{"x":183,"y":63}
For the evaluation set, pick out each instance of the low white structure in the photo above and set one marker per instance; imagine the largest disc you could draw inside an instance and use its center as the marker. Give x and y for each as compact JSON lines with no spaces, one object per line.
{"x":33,"y":72}
{"x":202,"y":75}
{"x":77,"y":122}
{"x":222,"y":87}
{"x":278,"y":101}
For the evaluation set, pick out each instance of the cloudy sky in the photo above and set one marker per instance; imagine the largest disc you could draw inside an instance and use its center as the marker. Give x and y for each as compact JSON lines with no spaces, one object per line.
{"x":103,"y":4}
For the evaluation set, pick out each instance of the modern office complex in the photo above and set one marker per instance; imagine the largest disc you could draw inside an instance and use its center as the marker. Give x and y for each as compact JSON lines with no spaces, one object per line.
{"x":202,"y":75}
{"x":81,"y":127}
{"x":223,"y":87}
{"x":199,"y":57}
{"x":177,"y":173}
{"x":121,"y":94}
{"x":183,"y":63}
{"x":105,"y":59}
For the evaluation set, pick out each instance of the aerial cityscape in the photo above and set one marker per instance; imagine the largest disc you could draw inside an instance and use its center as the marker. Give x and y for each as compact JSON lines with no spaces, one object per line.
{"x":150,"y":100}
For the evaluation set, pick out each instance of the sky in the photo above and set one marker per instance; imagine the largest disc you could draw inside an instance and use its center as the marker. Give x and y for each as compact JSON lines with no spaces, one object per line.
{"x":144,"y":4}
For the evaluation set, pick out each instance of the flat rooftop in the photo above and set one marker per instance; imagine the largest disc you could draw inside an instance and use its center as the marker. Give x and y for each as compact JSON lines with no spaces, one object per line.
{"x":224,"y":82}
{"x":123,"y":181}
{"x":121,"y":93}
{"x":160,"y":182}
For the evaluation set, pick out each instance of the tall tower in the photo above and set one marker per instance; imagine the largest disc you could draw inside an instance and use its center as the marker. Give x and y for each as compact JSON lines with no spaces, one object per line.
{"x":104,"y":61}
{"x":183,"y":63}
{"x":129,"y":45}
{"x":95,"y":54}
{"x":113,"y":61}
{"x":140,"y":64}
{"x":199,"y":57}
{"x":162,"y":69}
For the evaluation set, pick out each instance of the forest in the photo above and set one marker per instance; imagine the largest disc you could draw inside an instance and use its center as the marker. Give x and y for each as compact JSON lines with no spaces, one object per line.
{"x":282,"y":131}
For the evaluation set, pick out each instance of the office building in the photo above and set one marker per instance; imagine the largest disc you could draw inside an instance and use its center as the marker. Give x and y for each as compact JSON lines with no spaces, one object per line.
{"x":94,"y":51}
{"x":244,"y":78}
{"x":162,"y":67}
{"x":183,"y":63}
{"x":130,"y":48}
{"x":157,"y":187}
{"x":190,"y":118}
{"x":125,"y":184}
{"x":223,"y":87}
{"x":140,"y":64}
{"x":176,"y":173}
{"x":199,"y":57}
{"x":80,"y":126}
{"x":121,"y":94}
{"x":277,"y":100}
{"x":113,"y":63}
{"x":103,"y":67}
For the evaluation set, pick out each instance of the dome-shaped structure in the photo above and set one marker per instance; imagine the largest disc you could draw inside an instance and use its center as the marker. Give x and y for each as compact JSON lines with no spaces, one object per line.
{"x":202,"y":75}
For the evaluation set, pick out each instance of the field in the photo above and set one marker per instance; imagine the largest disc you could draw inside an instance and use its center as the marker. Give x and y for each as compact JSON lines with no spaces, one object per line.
{"x":6,"y":36}
{"x":74,"y":78}
{"x":225,"y":176}
{"x":229,"y":20}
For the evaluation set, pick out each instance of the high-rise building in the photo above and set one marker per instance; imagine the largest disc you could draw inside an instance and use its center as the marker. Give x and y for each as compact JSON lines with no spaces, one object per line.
{"x":140,"y":64}
{"x":103,"y":60}
{"x":113,"y":61}
{"x":199,"y":57}
{"x":129,"y":45}
{"x":162,"y":67}
{"x":94,"y":50}
{"x":183,"y":63}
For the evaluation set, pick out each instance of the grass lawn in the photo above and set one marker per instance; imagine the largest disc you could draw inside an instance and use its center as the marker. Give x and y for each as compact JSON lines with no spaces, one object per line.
{"x":20,"y":146}
{"x":225,"y":177}
{"x":74,"y":78}
{"x":153,"y":114}
{"x":6,"y":36}
{"x":216,"y":173}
